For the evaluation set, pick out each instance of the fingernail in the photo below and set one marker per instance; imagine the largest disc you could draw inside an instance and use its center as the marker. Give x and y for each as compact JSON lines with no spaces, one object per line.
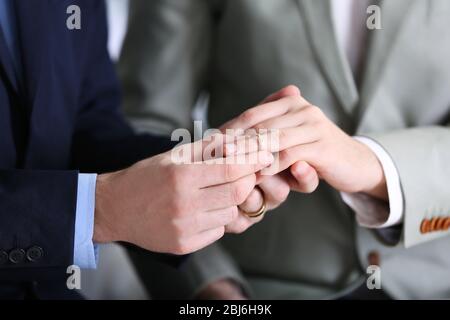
{"x":230,"y":149}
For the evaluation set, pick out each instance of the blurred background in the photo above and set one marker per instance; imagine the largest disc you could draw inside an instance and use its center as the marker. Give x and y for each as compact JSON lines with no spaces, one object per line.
{"x":115,"y":277}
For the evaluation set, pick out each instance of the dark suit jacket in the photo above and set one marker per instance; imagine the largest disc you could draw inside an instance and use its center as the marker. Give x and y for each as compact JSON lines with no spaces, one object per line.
{"x":60,"y":117}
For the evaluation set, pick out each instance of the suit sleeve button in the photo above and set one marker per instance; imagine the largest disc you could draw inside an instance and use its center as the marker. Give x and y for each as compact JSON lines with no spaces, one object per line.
{"x":440,"y":224}
{"x":35,"y":253}
{"x":3,"y":257}
{"x":446,"y":225}
{"x":433,"y":224}
{"x":17,"y":256}
{"x":425,"y":227}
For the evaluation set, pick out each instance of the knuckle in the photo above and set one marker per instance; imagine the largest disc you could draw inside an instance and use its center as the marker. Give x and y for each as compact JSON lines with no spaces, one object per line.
{"x":321,"y":128}
{"x":286,"y":156}
{"x":315,"y":112}
{"x":181,"y":247}
{"x":259,"y":127}
{"x":220,"y":232}
{"x":249,"y":115}
{"x":297,"y":101}
{"x":293,"y":100}
{"x":241,"y":190}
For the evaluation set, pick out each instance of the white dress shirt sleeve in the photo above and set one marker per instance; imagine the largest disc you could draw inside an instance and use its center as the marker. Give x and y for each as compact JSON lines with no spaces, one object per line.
{"x":374,"y":213}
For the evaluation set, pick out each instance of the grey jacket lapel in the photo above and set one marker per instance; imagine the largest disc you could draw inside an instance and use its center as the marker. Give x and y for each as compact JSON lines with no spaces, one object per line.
{"x":381,"y":45}
{"x":334,"y":66}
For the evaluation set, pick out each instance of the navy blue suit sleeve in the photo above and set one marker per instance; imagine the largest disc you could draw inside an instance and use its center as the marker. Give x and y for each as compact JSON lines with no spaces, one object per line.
{"x":37,"y":208}
{"x":37,"y":218}
{"x":103,"y":140}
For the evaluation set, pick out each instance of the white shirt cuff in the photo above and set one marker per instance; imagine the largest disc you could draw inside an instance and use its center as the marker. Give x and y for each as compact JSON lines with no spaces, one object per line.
{"x":85,"y":251}
{"x":371,"y":212}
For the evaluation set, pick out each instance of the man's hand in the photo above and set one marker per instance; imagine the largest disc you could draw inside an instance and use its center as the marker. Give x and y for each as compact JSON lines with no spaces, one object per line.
{"x":275,"y":189}
{"x":172,"y":208}
{"x":306,"y":134}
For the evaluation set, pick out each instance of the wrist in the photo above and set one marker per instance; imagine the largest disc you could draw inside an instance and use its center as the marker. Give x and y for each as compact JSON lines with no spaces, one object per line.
{"x":378,"y":190}
{"x":104,"y":231}
{"x":375,"y":179}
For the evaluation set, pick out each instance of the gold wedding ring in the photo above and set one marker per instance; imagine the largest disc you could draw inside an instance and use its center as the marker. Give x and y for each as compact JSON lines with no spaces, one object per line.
{"x":261,"y":211}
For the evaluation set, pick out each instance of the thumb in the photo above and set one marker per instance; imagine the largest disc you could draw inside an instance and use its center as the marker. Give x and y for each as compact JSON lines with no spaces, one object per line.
{"x":306,"y":178}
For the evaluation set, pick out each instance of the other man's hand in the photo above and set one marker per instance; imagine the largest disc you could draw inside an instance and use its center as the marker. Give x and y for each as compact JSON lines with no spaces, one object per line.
{"x":307,"y":135}
{"x":174,"y":208}
{"x":274,"y":190}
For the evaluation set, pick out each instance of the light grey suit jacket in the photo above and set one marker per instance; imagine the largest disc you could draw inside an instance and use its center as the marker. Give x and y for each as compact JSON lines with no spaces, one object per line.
{"x":239,"y":51}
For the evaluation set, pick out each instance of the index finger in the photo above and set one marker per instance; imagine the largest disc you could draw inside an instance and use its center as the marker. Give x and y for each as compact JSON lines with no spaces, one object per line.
{"x":264,"y":112}
{"x":233,"y":168}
